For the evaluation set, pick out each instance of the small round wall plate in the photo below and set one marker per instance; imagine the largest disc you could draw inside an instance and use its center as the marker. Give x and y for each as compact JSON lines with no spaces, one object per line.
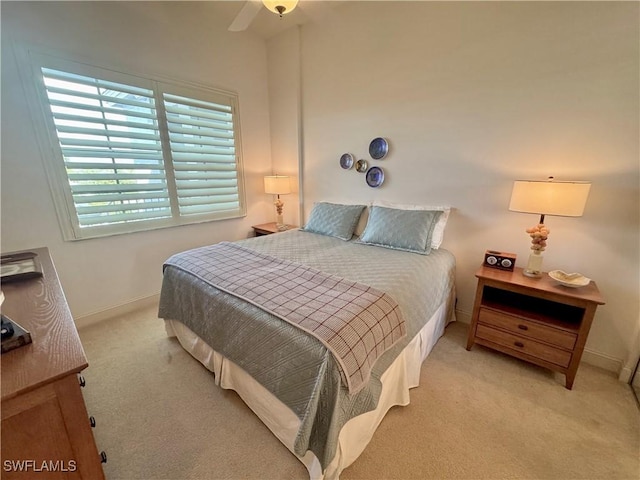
{"x":378,"y":148}
{"x":375,"y":177}
{"x":361,"y":166}
{"x":346,"y":161}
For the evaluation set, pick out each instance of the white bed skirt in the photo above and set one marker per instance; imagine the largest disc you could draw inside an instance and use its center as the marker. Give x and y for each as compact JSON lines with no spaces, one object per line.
{"x":402,"y":374}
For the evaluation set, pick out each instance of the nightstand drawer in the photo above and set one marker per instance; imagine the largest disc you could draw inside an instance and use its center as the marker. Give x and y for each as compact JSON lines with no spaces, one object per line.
{"x":524,"y":345}
{"x":529,"y":329}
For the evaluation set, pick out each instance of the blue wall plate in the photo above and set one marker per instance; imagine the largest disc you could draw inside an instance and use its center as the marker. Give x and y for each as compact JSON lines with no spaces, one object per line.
{"x":378,"y":148}
{"x":346,"y":161}
{"x":375,"y":177}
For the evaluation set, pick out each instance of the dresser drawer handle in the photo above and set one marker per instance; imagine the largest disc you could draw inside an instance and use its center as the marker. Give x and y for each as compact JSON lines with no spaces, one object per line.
{"x":81,"y":381}
{"x":103,"y":457}
{"x":92,"y":421}
{"x":523,"y":327}
{"x":518,"y":344}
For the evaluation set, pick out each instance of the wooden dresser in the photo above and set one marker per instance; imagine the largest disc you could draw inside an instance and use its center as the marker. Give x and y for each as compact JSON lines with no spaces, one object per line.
{"x":534,"y":319}
{"x":46,"y":431}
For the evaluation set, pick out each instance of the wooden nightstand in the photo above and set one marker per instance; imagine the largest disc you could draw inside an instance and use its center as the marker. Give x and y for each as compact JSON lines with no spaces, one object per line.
{"x":534,"y":319}
{"x":269,"y":228}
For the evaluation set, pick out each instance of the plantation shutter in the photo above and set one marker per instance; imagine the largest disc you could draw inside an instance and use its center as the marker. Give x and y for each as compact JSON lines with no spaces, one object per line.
{"x":110,"y":141}
{"x":201,"y":136}
{"x":135,"y":153}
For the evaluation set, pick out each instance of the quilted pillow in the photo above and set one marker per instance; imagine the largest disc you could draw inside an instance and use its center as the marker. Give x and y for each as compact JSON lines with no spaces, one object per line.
{"x":334,"y":219}
{"x":407,"y":230}
{"x":438,"y":232}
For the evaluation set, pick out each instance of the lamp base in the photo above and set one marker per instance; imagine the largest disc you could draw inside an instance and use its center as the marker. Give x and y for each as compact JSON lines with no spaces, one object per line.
{"x":280,"y":225}
{"x":534,"y":266}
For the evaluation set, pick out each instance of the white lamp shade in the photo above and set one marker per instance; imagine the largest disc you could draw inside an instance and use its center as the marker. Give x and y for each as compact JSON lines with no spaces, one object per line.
{"x":566,"y":199}
{"x":285,"y":5}
{"x":277,"y":185}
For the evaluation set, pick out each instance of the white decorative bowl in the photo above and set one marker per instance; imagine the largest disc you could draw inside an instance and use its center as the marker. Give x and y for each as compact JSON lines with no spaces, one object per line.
{"x":572,"y":280}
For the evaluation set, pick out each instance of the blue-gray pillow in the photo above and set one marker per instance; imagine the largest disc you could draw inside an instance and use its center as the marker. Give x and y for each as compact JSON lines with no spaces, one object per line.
{"x":406,"y":230}
{"x":334,"y":219}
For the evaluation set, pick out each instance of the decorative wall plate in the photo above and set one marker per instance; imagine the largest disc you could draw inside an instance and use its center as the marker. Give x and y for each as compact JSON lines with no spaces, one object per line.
{"x":378,"y":148}
{"x":375,"y":177}
{"x":346,"y":161}
{"x":361,"y":166}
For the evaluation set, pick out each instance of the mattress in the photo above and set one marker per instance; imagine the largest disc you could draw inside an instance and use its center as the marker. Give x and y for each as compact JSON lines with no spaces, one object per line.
{"x":296,"y":369}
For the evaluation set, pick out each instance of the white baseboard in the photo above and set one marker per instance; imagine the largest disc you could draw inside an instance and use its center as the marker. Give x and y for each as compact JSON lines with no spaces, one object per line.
{"x":463,"y":316}
{"x":591,"y":357}
{"x":602,"y":360}
{"x":107,"y":313}
{"x":626,"y":373}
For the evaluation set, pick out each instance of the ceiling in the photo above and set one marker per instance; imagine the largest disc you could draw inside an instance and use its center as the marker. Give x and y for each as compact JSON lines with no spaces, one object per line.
{"x":267,"y":24}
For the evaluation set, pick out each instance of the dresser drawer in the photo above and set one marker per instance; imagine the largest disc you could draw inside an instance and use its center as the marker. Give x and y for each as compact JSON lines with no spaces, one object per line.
{"x":528,"y":329}
{"x":524,"y":345}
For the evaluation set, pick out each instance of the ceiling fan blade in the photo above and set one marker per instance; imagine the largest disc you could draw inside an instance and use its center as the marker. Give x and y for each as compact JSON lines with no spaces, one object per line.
{"x":246,"y":16}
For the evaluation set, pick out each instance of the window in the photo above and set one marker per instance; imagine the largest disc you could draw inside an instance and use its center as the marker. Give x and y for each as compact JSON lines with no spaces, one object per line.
{"x":136,"y":154}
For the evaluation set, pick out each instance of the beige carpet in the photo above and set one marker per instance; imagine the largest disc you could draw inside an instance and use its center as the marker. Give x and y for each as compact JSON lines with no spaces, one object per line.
{"x":476,"y":415}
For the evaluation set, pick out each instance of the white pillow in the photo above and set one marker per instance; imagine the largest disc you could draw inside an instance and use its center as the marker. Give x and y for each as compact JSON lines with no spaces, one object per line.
{"x":362,"y":223}
{"x":438,"y":232}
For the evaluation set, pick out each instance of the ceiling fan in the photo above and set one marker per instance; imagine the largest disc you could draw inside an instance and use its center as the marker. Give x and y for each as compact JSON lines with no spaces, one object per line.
{"x":313,"y":9}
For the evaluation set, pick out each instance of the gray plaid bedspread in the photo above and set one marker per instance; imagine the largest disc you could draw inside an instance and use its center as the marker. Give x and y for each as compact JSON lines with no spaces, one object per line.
{"x":356,"y":322}
{"x":293,"y":365}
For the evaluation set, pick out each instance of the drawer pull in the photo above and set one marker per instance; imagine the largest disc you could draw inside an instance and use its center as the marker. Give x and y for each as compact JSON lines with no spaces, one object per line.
{"x":92,"y":421}
{"x":523,"y":327}
{"x":81,"y":381}
{"x":103,"y":457}
{"x":518,"y":344}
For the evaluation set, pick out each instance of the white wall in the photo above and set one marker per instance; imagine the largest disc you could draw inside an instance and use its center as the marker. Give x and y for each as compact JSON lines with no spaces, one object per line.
{"x":181,"y":41}
{"x":284,"y":90}
{"x":475,"y":95}
{"x":471,"y":96}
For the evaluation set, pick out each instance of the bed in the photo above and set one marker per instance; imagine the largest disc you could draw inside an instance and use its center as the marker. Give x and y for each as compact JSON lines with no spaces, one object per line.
{"x":292,"y":380}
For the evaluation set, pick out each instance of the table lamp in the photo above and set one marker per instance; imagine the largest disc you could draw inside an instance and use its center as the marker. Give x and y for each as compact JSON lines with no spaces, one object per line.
{"x":546,"y":197}
{"x":278,"y":185}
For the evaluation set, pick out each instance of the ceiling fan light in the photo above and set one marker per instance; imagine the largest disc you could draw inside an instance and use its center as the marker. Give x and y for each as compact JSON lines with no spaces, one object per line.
{"x":281,"y":7}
